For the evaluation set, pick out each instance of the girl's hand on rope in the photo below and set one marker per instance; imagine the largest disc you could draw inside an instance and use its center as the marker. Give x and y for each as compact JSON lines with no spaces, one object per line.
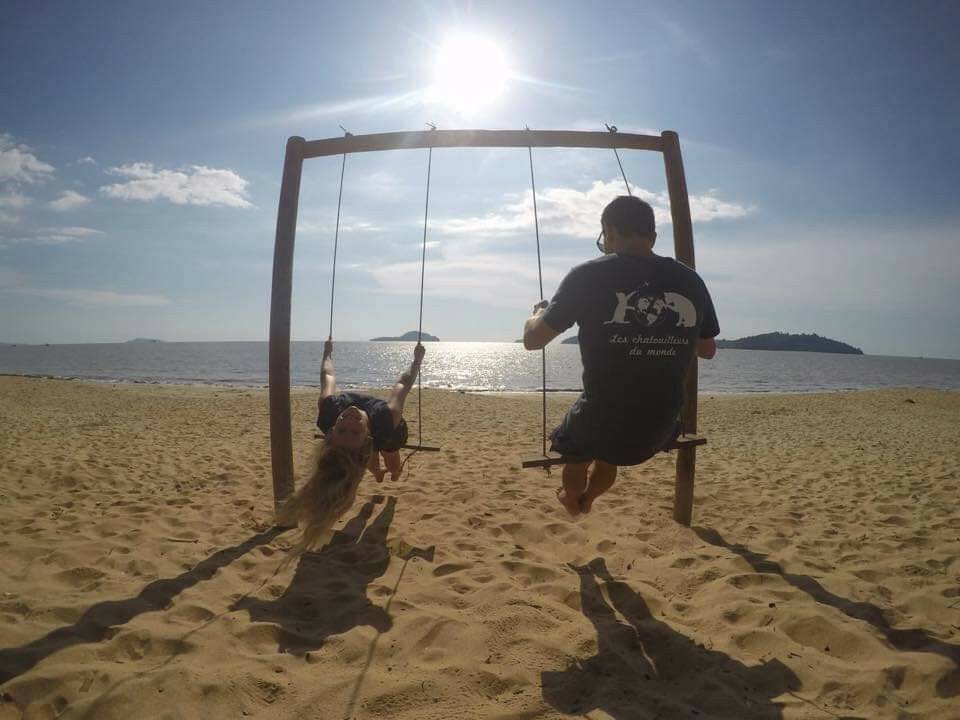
{"x":540,"y":307}
{"x":418,"y":353}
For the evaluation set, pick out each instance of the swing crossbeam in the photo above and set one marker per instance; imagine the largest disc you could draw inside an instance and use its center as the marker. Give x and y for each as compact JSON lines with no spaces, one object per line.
{"x":479,"y":138}
{"x":298,"y":149}
{"x":684,"y":441}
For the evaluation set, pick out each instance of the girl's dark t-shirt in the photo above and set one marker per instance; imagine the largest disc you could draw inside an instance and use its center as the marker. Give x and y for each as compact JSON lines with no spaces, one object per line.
{"x":385,"y":435}
{"x":639,"y":322}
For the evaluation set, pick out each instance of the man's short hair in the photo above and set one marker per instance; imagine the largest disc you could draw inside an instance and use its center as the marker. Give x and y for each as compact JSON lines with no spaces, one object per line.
{"x":630,"y":215}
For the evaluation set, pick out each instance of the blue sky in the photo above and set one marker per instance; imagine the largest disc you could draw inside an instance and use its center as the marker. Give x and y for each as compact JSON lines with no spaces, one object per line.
{"x":141,"y":146}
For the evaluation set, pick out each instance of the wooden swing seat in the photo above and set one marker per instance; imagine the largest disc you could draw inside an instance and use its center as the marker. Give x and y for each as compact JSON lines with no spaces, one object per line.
{"x":419,"y":448}
{"x":683,"y":441}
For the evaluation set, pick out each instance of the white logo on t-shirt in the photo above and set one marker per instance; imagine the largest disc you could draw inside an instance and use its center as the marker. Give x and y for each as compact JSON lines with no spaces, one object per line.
{"x":648,"y":309}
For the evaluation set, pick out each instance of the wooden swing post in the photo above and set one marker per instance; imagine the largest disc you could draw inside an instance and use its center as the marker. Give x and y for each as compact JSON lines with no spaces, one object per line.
{"x":683,"y":249}
{"x":281,"y":439}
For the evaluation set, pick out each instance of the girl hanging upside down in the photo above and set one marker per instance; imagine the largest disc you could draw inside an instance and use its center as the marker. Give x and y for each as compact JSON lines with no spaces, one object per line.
{"x":358,"y":429}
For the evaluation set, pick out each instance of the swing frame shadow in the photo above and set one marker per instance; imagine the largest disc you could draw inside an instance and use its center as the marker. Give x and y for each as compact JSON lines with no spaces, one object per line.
{"x":299,"y":149}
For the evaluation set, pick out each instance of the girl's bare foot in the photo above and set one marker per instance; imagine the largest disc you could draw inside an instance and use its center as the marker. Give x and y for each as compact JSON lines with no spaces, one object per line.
{"x":572,"y":505}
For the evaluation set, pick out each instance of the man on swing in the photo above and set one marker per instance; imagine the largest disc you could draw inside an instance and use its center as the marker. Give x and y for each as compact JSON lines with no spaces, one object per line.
{"x":641,"y":318}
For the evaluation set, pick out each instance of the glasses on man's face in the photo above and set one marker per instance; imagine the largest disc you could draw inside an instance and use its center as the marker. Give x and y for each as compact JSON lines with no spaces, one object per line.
{"x":600,"y":246}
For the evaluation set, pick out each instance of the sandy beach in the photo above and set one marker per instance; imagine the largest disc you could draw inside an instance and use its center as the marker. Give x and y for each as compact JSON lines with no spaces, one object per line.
{"x":140,"y":575}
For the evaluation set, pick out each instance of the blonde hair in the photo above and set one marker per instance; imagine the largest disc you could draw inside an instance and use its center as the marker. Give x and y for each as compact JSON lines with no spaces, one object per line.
{"x":328,"y":492}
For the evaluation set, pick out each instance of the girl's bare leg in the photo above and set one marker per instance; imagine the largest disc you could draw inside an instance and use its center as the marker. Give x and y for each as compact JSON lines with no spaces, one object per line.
{"x":391,"y":459}
{"x":373,"y":465}
{"x":601,"y":479}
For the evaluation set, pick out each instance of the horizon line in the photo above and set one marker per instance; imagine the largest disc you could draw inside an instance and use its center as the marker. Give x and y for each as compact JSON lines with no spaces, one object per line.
{"x":146,"y":341}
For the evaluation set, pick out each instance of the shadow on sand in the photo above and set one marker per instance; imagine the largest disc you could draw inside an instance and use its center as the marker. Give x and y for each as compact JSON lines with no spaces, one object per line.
{"x":905,"y":639}
{"x":645,"y":669}
{"x":328,"y":593}
{"x":100,"y":620}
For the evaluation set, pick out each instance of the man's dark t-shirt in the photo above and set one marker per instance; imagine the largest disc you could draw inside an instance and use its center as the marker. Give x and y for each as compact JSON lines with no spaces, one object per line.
{"x":639,"y":318}
{"x":385,"y":436}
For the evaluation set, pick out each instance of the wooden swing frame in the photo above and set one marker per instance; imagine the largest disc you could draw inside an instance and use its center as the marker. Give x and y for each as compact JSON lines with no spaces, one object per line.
{"x":298,"y":149}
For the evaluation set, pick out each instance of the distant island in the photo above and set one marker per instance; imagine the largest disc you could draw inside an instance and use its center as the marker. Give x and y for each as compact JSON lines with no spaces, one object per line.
{"x":412,"y":335}
{"x":144,"y":340}
{"x":789,"y":341}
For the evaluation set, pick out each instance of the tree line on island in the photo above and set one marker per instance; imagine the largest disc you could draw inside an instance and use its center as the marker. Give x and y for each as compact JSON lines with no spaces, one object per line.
{"x":800,"y":342}
{"x":412,"y":335}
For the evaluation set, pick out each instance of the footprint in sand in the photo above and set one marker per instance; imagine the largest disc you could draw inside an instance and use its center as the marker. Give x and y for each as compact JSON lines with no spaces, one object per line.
{"x":449,"y":568}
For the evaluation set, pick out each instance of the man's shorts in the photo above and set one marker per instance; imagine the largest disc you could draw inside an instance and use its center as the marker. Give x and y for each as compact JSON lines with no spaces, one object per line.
{"x":615,"y":435}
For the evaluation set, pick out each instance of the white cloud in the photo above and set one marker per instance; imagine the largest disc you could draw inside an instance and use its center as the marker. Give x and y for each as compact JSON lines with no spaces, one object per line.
{"x":74,"y":232}
{"x":379,"y":184}
{"x":8,"y":219}
{"x":690,"y":43}
{"x":19,"y":164}
{"x":593,"y":125}
{"x":86,"y":161}
{"x":483,"y":278}
{"x":196,"y":185}
{"x":13,"y":200}
{"x":68,"y":201}
{"x":460,"y":268}
{"x":566,"y":211}
{"x":9,"y":276}
{"x":350,"y":107}
{"x":50,"y":236}
{"x":869,"y":269}
{"x":347,"y":225}
{"x":98,"y":298}
{"x":543,"y":83}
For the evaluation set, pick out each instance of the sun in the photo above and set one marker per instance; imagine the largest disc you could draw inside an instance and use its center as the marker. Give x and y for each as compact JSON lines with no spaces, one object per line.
{"x":470,"y":73}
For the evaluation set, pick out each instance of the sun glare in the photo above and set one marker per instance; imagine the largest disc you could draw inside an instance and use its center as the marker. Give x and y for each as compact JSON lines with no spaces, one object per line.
{"x":470,"y":73}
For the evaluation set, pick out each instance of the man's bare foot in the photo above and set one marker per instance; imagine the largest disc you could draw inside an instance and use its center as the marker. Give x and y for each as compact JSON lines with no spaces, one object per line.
{"x":586,"y":503}
{"x":394,"y":476}
{"x":572,"y":505}
{"x":378,"y":476}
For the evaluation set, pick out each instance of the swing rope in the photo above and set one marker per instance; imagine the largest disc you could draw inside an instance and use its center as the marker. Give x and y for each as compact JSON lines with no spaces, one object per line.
{"x":613,"y":129}
{"x":336,"y":238}
{"x":336,"y":234}
{"x":543,"y":351}
{"x":423,"y":267}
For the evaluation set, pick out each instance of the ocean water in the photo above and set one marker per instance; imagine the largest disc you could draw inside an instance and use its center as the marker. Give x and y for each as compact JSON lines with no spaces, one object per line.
{"x":459,"y":366}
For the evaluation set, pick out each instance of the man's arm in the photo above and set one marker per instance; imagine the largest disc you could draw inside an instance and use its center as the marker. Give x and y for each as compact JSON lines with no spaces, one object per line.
{"x":536,"y":333}
{"x":709,"y":329}
{"x":706,"y":348}
{"x":398,"y":396}
{"x":328,"y":383}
